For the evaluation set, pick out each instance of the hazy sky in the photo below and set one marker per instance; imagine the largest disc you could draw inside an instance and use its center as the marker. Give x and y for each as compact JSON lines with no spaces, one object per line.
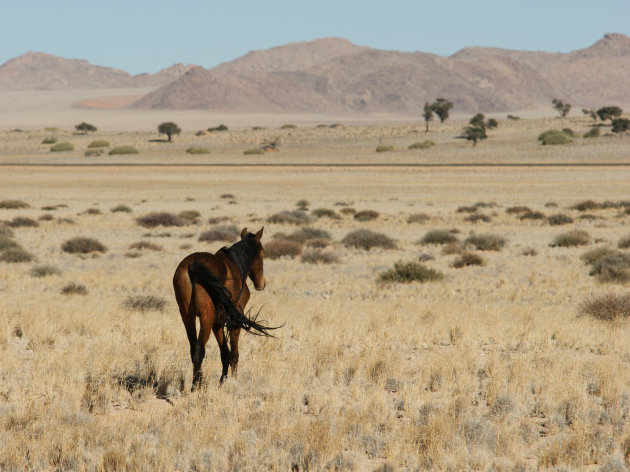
{"x":145,"y":36}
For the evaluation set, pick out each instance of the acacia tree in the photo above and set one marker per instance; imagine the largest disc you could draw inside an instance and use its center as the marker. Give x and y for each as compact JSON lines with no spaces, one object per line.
{"x":427,"y":114}
{"x":608,"y":113}
{"x":84,"y":127}
{"x":590,"y":113}
{"x":562,"y":108}
{"x":620,"y":125}
{"x":476,"y":131}
{"x":169,"y":129}
{"x":441,"y":107}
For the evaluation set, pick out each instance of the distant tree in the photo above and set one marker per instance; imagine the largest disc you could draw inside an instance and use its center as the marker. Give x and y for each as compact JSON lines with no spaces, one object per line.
{"x":427,"y":114}
{"x":590,"y":113}
{"x":620,"y":125}
{"x":270,"y":144}
{"x":441,"y":107}
{"x":478,"y":125}
{"x":608,"y":113}
{"x":562,"y":108}
{"x":84,"y":127}
{"x":169,"y":129}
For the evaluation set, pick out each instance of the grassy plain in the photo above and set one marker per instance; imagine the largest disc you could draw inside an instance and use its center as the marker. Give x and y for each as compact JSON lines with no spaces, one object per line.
{"x":490,"y":368}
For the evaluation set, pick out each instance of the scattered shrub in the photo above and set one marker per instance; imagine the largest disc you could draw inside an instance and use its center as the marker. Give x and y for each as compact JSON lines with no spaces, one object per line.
{"x":288,"y":126}
{"x":6,"y":242}
{"x":198,"y":150}
{"x":319,"y":256}
{"x":366,"y":239}
{"x":213,"y":220}
{"x":295,"y":217}
{"x":586,"y":205}
{"x":93,"y":153}
{"x":426,"y":144}
{"x":44,"y":270}
{"x":607,"y":307}
{"x":15,"y":255}
{"x":532,"y":215}
{"x":418,"y":218}
{"x":624,"y":243}
{"x":325,"y":212}
{"x":221,"y":233}
{"x":347,"y":211}
{"x":438,"y":236}
{"x":13,"y":204}
{"x":467,"y":259}
{"x":610,"y":266}
{"x":84,"y":127}
{"x":74,"y":288}
{"x":62,"y":147}
{"x":513,"y":117}
{"x":221,"y":127}
{"x":253,"y":151}
{"x":569,"y":132}
{"x":92,"y":211}
{"x":475,"y":217}
{"x":121,"y":208}
{"x":140,"y":245}
{"x":317,"y":243}
{"x":592,"y":133}
{"x":366,"y":215}
{"x":303,"y":204}
{"x":307,"y":233}
{"x":571,"y":239}
{"x":282,"y":248}
{"x":227,"y":196}
{"x":151,"y":220}
{"x":49,"y":140}
{"x":552,"y":137}
{"x":99,"y":143}
{"x":22,"y":222}
{"x":80,"y":245}
{"x":5,"y":230}
{"x":385,"y":148}
{"x":191,"y":216}
{"x":118,"y":150}
{"x":144,"y":303}
{"x":466,"y":209}
{"x":452,"y":248}
{"x":406,"y":272}
{"x":518,"y":210}
{"x":530,"y":251}
{"x":559,"y":219}
{"x":486,"y":242}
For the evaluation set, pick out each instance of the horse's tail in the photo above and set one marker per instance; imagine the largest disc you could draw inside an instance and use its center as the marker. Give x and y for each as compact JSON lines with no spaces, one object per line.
{"x":220,"y":296}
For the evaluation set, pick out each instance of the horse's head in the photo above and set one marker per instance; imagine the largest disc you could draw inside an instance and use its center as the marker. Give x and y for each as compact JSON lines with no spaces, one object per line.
{"x":256,"y":272}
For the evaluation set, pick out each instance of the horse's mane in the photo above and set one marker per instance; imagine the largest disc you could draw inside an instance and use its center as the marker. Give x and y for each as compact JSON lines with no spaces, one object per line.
{"x":242,"y":254}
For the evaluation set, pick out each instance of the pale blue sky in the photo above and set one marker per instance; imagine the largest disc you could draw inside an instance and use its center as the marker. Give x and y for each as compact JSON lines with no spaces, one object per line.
{"x":145,"y":36}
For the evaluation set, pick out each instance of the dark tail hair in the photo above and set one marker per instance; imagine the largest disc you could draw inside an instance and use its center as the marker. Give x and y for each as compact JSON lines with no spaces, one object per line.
{"x":220,"y":295}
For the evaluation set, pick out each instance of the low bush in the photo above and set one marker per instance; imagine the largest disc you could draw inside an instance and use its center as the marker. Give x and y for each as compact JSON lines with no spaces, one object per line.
{"x":307,"y":233}
{"x":319,"y":256}
{"x":466,"y":209}
{"x":516,"y":210}
{"x":13,"y":204}
{"x":366,"y":215}
{"x":418,"y":218}
{"x":592,"y":133}
{"x":99,"y":143}
{"x":569,"y":132}
{"x":62,"y":147}
{"x":278,"y":248}
{"x":294,"y":217}
{"x":485,"y":242}
{"x":347,"y":211}
{"x":253,"y":151}
{"x":227,"y":196}
{"x":198,"y":150}
{"x":325,"y":213}
{"x":213,"y":220}
{"x":120,"y":150}
{"x":22,"y":222}
{"x":366,"y":239}
{"x":317,"y":243}
{"x":607,"y":307}
{"x":476,"y":217}
{"x":559,"y":219}
{"x":15,"y":255}
{"x":467,"y":259}
{"x":74,"y":288}
{"x":288,"y":126}
{"x":553,"y":137}
{"x":532,"y":215}
{"x":80,"y":245}
{"x":303,"y":204}
{"x":152,"y":220}
{"x":93,"y":153}
{"x":191,"y":216}
{"x":49,"y":140}
{"x":439,"y":236}
{"x":594,"y":255}
{"x":121,"y":208}
{"x":6,"y":242}
{"x":141,"y":245}
{"x":586,"y":205}
{"x":221,"y":233}
{"x":92,"y":211}
{"x":624,"y":243}
{"x":406,"y":272}
{"x":426,"y":144}
{"x":610,"y":267}
{"x":44,"y":270}
{"x":529,"y":252}
{"x":385,"y":148}
{"x":221,"y":127}
{"x":5,"y":230}
{"x":46,"y":217}
{"x":571,"y":239}
{"x":452,"y":248}
{"x":144,"y":303}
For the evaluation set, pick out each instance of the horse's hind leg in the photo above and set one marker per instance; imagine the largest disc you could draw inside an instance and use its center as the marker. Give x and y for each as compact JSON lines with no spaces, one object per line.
{"x":217,"y":329}
{"x":234,"y":334}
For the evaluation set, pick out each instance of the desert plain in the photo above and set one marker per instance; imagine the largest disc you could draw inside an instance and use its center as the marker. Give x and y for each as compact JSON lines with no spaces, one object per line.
{"x":493,"y":367}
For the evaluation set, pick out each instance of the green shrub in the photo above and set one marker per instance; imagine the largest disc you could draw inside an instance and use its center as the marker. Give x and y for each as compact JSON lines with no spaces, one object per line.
{"x":62,"y":147}
{"x":44,"y":270}
{"x":571,"y":239}
{"x":319,"y":256}
{"x":221,"y":233}
{"x":418,"y":218}
{"x":325,"y":213}
{"x":121,"y":208}
{"x":13,"y":204}
{"x":191,"y":216}
{"x":221,"y":127}
{"x":99,"y":143}
{"x":74,"y":288}
{"x":569,"y":132}
{"x":80,"y":245}
{"x":93,"y":153}
{"x":406,"y":272}
{"x":385,"y":148}
{"x":15,"y":255}
{"x":49,"y":140}
{"x":594,"y":132}
{"x":366,"y":239}
{"x":426,"y":144}
{"x":486,"y":242}
{"x":553,"y":136}
{"x":295,"y":217}
{"x":151,"y":220}
{"x":144,"y":303}
{"x":366,"y":215}
{"x":282,"y":248}
{"x":607,"y":307}
{"x":253,"y":151}
{"x":467,"y":259}
{"x":118,"y":150}
{"x":438,"y":236}
{"x":198,"y":150}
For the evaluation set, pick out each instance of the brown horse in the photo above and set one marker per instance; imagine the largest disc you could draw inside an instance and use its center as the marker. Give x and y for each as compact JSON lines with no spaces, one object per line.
{"x":213,"y":287}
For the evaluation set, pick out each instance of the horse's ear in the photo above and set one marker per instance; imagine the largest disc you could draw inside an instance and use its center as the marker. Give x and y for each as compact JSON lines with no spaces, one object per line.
{"x":243,"y":233}
{"x":259,"y":235}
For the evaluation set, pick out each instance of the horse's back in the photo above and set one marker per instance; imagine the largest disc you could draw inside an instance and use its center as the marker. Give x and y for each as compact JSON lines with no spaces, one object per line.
{"x":181,"y":279}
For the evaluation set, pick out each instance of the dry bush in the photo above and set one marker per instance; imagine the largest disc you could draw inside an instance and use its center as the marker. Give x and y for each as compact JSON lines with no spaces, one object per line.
{"x":93,"y":153}
{"x":476,"y":217}
{"x":306,"y":233}
{"x":73,"y":288}
{"x":293,"y":217}
{"x":385,"y":148}
{"x":325,"y":213}
{"x":46,"y":217}
{"x":594,"y":255}
{"x":532,"y":215}
{"x":624,"y":243}
{"x":439,"y":236}
{"x":253,"y":151}
{"x":319,"y":256}
{"x":607,"y":307}
{"x":530,"y":251}
{"x":213,"y":220}
{"x":144,"y":303}
{"x":22,"y":222}
{"x":366,"y":215}
{"x":516,"y":210}
{"x":466,"y":209}
{"x":467,"y":259}
{"x":317,"y":243}
{"x":559,"y":219}
{"x":452,"y":248}
{"x":140,"y":245}
{"x":5,"y":230}
{"x":406,"y":272}
{"x":121,"y":209}
{"x":7,"y":243}
{"x":486,"y":242}
{"x":571,"y":239}
{"x":44,"y":270}
{"x":92,"y":211}
{"x":347,"y":211}
{"x":366,"y":239}
{"x":586,"y":205}
{"x":81,"y":245}
{"x":426,"y":144}
{"x":220,"y":233}
{"x":192,"y":216}
{"x":15,"y":255}
{"x":152,"y":220}
{"x":198,"y":150}
{"x":418,"y":218}
{"x":607,"y":267}
{"x":13,"y":204}
{"x":282,"y":248}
